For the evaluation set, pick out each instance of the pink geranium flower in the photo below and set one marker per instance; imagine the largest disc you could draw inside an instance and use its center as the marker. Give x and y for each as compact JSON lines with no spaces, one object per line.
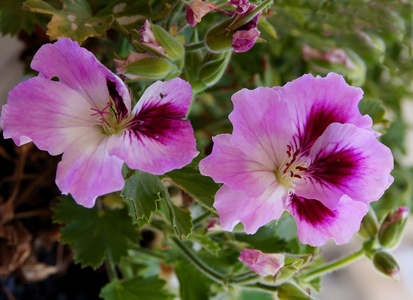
{"x":263,"y":264}
{"x":304,"y":148}
{"x":86,"y":115}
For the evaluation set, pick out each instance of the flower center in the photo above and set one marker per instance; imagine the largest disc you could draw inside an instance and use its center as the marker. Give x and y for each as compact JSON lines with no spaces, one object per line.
{"x":109,"y":119}
{"x":292,"y":169}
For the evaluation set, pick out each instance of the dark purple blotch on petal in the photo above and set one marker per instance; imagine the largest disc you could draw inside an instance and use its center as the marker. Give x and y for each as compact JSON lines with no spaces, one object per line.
{"x":121,"y":110}
{"x":311,"y":211}
{"x":317,"y":121}
{"x":336,"y":166}
{"x":157,"y":121}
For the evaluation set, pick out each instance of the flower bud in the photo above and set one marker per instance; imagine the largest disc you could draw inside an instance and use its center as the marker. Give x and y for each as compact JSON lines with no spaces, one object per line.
{"x":197,"y":10}
{"x":369,"y":225}
{"x":392,"y":228}
{"x":159,"y":41}
{"x":144,"y":66}
{"x":263,"y":264}
{"x":243,"y":40}
{"x":289,"y":291}
{"x":385,"y":263}
{"x":214,"y":68}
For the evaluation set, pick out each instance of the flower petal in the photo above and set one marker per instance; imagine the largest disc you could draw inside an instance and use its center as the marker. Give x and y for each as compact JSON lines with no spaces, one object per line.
{"x":262,"y":125}
{"x":318,"y":102}
{"x":346,"y":160}
{"x":235,"y":206}
{"x":158,"y":134}
{"x":78,"y":68}
{"x":232,"y":166}
{"x":316,"y":223}
{"x":87,"y":171}
{"x":50,"y":113}
{"x":263,"y":264}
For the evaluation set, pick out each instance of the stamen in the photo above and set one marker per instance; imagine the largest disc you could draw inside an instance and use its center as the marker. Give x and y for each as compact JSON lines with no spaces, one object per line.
{"x":102,"y":112}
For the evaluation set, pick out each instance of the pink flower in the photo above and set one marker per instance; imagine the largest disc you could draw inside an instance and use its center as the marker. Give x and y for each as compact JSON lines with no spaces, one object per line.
{"x":149,"y":39}
{"x":197,"y":10}
{"x":86,"y":115}
{"x":263,"y":264}
{"x":243,"y":40}
{"x":304,"y":148}
{"x":242,"y":6}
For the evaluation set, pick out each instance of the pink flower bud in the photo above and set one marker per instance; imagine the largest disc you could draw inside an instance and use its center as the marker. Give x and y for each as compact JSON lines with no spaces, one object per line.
{"x":149,"y":39}
{"x":263,"y":264}
{"x":243,"y":40}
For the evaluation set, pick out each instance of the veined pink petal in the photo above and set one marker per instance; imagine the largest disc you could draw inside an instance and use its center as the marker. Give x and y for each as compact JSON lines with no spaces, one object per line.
{"x":87,"y":171}
{"x":316,"y":223}
{"x":78,"y":68}
{"x":262,"y":125}
{"x":49,"y":113}
{"x":346,"y":160}
{"x":235,"y":206}
{"x":232,"y":166}
{"x":158,"y":139}
{"x":317,"y":102}
{"x":263,"y":264}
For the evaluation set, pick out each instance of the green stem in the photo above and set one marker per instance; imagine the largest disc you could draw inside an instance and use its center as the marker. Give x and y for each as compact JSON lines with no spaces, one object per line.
{"x":200,"y":265}
{"x":195,"y":46}
{"x":330,"y":267}
{"x":262,"y":286}
{"x":149,"y":252}
{"x":201,"y":218}
{"x":244,"y":278}
{"x":111,"y":269}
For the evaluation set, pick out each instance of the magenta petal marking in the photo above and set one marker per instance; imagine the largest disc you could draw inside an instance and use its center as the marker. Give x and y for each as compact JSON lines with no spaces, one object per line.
{"x":316,"y":223}
{"x":158,"y":134}
{"x":317,"y":102}
{"x":346,"y":160}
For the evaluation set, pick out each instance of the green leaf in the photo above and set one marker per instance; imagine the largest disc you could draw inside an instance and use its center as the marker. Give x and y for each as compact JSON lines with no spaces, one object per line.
{"x":207,"y":243}
{"x":74,"y":20}
{"x":180,"y":218}
{"x":267,"y":28}
{"x":10,"y":11}
{"x":189,"y":179}
{"x":192,"y":283}
{"x":142,"y":191}
{"x":374,"y":108}
{"x":94,"y":234}
{"x":151,"y":288}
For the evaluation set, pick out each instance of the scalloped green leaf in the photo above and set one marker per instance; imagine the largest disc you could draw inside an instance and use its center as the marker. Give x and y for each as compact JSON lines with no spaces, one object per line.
{"x":189,"y":179}
{"x":95,"y":235}
{"x":138,"y":288}
{"x":142,"y":192}
{"x":74,"y":20}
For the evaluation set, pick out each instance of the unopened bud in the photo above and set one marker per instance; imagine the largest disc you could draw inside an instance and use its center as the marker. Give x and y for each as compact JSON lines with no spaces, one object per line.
{"x":392,"y":228}
{"x":264,"y":264}
{"x":369,"y":225}
{"x":152,"y":68}
{"x":214,"y":68}
{"x":157,"y":40}
{"x":385,"y":263}
{"x":289,"y":291}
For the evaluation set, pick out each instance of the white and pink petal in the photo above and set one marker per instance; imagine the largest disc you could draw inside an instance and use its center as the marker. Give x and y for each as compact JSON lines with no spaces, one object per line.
{"x":235,"y":206}
{"x":79,"y":69}
{"x":262,"y":125}
{"x":88,"y":171}
{"x":229,"y":165}
{"x":49,"y":113}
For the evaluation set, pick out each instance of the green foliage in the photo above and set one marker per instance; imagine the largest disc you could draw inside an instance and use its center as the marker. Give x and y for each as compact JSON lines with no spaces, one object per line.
{"x":138,"y":288}
{"x":74,"y":20}
{"x":143,"y":190}
{"x":93,"y":234}
{"x":10,"y":11}
{"x":193,"y":285}
{"x":201,"y":188}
